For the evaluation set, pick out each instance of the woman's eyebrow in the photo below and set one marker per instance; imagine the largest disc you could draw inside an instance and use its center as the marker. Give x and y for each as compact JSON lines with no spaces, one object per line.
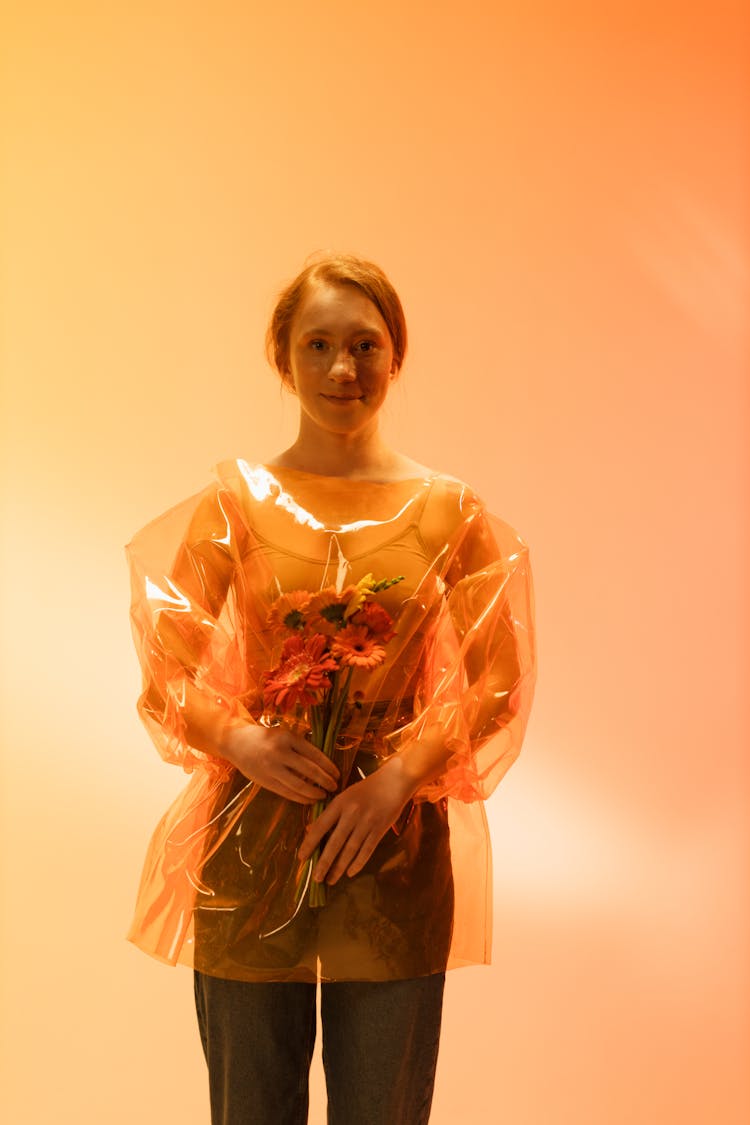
{"x":372,"y":329}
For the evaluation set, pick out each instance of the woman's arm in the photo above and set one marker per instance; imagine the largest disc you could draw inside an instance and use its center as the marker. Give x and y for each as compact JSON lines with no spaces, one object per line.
{"x":484,"y":661}
{"x":182,"y":565}
{"x":194,"y":671}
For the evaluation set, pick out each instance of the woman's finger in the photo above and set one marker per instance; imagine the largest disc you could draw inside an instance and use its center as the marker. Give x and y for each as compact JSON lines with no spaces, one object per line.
{"x":321,"y":765}
{"x":342,"y":847}
{"x":290,"y":794}
{"x":317,"y":829}
{"x":288,"y":763}
{"x":361,"y":859}
{"x":337,"y":841}
{"x":353,"y":856}
{"x":277,"y":785}
{"x":304,"y":789}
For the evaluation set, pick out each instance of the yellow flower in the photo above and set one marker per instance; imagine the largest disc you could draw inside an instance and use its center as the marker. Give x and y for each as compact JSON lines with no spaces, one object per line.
{"x":359,"y":597}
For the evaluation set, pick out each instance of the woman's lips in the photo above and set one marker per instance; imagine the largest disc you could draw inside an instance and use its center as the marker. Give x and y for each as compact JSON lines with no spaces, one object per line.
{"x":342,"y":398}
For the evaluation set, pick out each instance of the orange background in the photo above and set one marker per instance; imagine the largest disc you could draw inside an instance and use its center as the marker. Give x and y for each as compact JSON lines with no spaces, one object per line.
{"x":559,"y":193}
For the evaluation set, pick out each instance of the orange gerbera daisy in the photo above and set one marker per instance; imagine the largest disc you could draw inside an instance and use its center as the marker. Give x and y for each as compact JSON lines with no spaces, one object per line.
{"x":355,"y":647}
{"x":376,"y":619}
{"x":302,"y":674}
{"x":327,"y":608}
{"x":289,"y":610}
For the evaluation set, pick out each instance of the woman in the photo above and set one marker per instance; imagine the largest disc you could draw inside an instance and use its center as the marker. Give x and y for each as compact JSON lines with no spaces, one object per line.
{"x":338,"y":646}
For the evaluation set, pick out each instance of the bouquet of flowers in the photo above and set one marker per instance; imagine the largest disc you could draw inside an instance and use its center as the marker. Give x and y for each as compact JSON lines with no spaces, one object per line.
{"x":329,"y":635}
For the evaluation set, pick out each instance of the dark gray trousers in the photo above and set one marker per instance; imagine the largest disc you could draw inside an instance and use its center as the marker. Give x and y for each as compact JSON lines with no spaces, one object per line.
{"x":380,"y":1048}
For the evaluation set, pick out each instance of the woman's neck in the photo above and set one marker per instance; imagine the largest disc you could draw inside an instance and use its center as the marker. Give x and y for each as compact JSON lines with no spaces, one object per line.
{"x":342,"y":455}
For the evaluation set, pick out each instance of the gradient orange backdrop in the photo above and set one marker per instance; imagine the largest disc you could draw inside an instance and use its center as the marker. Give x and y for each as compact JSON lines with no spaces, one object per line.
{"x":559,"y":192}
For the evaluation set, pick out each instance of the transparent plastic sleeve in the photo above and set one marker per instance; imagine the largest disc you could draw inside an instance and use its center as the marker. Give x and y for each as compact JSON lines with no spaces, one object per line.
{"x":185,"y":629}
{"x":480,"y":677}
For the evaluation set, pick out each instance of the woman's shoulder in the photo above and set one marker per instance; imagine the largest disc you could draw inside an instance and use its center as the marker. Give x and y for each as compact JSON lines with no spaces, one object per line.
{"x":450,"y":488}
{"x":451,"y":507}
{"x":456,"y":510}
{"x":452,"y":492}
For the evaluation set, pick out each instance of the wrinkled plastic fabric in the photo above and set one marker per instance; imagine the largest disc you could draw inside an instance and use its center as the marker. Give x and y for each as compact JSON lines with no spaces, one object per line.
{"x":222,"y":888}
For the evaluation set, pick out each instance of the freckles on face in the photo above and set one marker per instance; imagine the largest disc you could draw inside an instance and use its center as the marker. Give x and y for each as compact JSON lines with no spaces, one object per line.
{"x":340,"y":349}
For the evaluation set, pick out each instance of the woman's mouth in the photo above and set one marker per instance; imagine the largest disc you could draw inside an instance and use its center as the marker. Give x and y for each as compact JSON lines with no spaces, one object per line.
{"x":342,"y":398}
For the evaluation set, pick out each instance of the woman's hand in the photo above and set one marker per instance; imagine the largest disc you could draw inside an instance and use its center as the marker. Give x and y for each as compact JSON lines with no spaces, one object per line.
{"x":357,"y":819}
{"x":281,"y":760}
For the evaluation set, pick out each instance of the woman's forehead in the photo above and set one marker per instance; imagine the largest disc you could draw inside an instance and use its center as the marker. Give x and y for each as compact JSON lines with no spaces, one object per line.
{"x":328,"y":307}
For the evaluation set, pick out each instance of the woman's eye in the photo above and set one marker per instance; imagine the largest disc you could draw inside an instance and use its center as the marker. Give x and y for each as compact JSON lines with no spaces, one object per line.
{"x":365,"y":346}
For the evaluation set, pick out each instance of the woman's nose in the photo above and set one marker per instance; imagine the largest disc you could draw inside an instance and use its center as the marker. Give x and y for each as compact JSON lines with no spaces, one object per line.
{"x":342,"y":368}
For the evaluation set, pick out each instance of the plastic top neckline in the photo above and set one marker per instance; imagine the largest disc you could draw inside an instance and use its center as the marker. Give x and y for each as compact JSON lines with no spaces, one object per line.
{"x":273,"y":469}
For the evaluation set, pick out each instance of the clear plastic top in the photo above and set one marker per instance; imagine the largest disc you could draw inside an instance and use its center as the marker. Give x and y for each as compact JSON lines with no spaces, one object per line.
{"x":447,"y":655}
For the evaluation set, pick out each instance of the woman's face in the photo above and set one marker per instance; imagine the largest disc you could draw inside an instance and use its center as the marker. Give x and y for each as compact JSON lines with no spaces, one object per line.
{"x":340,"y":357}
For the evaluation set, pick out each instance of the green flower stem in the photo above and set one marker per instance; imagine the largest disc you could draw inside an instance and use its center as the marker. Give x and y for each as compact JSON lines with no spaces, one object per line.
{"x":337,"y":714}
{"x":338,"y":701}
{"x":317,"y":890}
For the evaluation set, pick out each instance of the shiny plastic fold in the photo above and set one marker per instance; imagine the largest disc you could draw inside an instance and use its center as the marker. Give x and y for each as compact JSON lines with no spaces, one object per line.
{"x":222,"y":888}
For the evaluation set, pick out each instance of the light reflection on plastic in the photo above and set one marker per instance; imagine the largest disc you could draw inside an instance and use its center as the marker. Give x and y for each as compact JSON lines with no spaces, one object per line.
{"x":262,"y":484}
{"x":154,"y":593}
{"x":227,"y":539}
